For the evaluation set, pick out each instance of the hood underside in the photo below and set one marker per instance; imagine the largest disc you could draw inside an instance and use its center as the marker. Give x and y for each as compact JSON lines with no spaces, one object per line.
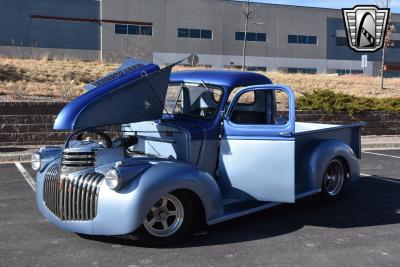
{"x":133,"y":92}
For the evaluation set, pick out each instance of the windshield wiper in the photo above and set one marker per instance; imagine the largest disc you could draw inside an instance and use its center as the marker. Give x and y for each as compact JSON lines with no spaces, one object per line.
{"x":208,"y":89}
{"x":204,"y":84}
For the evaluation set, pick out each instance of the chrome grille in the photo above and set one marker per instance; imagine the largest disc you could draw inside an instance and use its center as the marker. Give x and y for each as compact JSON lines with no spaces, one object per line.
{"x":71,"y":197}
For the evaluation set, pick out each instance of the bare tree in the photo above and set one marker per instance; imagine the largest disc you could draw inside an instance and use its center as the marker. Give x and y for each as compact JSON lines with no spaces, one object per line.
{"x":387,"y":42}
{"x":136,"y":48}
{"x":247,"y":11}
{"x":383,"y":3}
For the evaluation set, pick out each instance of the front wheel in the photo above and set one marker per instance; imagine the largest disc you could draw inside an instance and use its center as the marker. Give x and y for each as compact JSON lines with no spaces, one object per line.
{"x":168,"y":221}
{"x":333,"y":180}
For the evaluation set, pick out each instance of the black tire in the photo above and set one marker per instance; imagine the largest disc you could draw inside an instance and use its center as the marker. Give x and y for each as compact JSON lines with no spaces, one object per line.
{"x":148,"y":238}
{"x":334,"y":180}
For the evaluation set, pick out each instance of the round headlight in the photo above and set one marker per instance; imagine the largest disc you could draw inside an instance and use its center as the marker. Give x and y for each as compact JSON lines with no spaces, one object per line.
{"x":36,"y":161}
{"x":113,"y":179}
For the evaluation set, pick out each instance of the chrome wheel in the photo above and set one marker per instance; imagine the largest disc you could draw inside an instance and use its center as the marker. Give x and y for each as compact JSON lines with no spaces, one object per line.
{"x":165,"y":217}
{"x":334,"y":177}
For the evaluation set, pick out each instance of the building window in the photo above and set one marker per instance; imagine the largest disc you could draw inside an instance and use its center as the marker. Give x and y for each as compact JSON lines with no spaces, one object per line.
{"x":302,"y":70}
{"x":391,"y":74}
{"x":261,"y":37}
{"x":254,"y":68}
{"x":251,"y":36}
{"x":121,"y":29}
{"x":395,"y":44}
{"x":239,"y":36}
{"x":302,"y":39}
{"x":395,"y":24}
{"x":206,"y":34}
{"x":348,"y":71}
{"x":184,"y":33}
{"x":194,"y":33}
{"x":292,"y":39}
{"x":341,"y":41}
{"x":146,"y":30}
{"x":133,"y":29}
{"x":343,"y":72}
{"x":312,"y":39}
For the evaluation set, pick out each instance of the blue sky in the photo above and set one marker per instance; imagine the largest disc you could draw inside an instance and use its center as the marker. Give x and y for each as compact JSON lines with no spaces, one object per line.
{"x":394,"y":6}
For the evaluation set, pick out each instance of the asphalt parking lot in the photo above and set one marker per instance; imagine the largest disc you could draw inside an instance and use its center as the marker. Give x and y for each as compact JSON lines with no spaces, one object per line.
{"x":360,"y":229}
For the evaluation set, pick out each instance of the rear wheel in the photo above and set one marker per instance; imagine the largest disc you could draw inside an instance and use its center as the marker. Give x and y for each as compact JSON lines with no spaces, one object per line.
{"x":334,"y":179}
{"x":169,"y":220}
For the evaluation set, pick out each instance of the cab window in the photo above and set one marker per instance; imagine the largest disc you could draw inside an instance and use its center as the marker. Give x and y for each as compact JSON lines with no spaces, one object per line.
{"x":258,"y":107}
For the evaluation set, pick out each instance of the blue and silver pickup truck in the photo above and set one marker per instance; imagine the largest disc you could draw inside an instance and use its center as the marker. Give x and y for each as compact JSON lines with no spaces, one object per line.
{"x":152,"y":153}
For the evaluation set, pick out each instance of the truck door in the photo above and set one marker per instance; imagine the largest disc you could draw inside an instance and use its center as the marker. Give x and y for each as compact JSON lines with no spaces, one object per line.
{"x":257,"y":144}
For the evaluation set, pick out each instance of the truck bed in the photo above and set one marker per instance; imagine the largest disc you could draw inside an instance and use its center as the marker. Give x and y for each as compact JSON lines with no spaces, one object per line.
{"x":308,"y":133}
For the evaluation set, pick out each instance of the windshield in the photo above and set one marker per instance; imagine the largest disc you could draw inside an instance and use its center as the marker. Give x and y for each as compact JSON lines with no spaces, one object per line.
{"x":196,"y":100}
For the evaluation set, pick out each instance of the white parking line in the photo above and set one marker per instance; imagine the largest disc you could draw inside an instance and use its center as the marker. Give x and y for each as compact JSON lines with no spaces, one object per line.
{"x":26,"y":175}
{"x":380,"y":178}
{"x":379,"y":154}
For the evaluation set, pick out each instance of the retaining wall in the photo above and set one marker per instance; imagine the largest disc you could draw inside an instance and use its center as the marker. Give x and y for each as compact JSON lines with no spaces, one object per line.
{"x":26,"y":123}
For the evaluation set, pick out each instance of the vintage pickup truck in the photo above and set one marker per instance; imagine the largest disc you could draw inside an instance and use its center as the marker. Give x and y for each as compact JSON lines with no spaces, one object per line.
{"x":153,"y":152}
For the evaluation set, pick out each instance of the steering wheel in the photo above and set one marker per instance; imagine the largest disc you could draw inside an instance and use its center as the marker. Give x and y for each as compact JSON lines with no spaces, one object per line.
{"x":78,"y":135}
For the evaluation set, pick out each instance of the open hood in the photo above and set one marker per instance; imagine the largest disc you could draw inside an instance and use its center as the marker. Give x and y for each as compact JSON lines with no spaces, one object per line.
{"x":133,"y":92}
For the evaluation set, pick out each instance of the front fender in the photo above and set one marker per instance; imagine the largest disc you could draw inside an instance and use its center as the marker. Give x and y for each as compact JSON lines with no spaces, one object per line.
{"x":313,"y":165}
{"x":146,"y":189}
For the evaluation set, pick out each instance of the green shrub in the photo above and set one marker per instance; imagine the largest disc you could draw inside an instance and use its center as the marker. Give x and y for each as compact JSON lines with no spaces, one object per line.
{"x":331,"y":102}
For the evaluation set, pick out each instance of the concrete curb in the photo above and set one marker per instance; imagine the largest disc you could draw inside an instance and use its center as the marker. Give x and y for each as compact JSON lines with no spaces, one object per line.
{"x":378,"y":146}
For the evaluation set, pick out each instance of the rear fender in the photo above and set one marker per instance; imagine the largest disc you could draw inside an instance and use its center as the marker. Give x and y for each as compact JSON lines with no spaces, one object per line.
{"x":313,"y":165}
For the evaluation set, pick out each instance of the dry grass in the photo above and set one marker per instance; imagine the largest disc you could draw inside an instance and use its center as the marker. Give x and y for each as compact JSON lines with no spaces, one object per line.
{"x":62,"y":79}
{"x":357,"y":85}
{"x":59,"y":79}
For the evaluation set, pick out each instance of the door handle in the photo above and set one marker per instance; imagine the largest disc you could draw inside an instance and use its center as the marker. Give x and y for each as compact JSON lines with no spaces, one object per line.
{"x":286,"y":134}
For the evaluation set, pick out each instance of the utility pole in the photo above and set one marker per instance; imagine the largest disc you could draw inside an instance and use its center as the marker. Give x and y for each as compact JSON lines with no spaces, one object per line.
{"x":382,"y":66}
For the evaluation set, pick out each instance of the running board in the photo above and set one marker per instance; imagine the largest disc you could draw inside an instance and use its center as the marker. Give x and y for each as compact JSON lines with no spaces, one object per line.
{"x":231,"y":213}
